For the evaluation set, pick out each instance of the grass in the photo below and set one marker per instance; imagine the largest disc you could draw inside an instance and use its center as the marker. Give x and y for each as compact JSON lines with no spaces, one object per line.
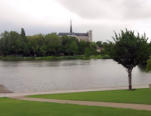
{"x":10,"y":107}
{"x":139,"y":96}
{"x":21,"y":58}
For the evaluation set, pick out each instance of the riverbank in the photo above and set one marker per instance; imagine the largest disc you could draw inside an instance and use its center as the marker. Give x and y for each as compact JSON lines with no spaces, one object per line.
{"x":3,"y":89}
{"x":48,"y":58}
{"x":14,"y":94}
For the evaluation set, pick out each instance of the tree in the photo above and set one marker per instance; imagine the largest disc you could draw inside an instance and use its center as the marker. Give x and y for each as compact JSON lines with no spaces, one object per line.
{"x":82,"y":46}
{"x":99,"y":44}
{"x":73,"y":47}
{"x":24,"y":48}
{"x":5,"y":43}
{"x":129,"y":50}
{"x":93,"y":47}
{"x":23,"y":32}
{"x":35,"y":43}
{"x":87,"y":52}
{"x":148,"y":67}
{"x":53,"y":44}
{"x":10,"y":43}
{"x":69,"y":45}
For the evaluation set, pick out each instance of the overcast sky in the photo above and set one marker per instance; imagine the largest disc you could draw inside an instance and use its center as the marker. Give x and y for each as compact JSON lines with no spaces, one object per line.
{"x":101,"y":16}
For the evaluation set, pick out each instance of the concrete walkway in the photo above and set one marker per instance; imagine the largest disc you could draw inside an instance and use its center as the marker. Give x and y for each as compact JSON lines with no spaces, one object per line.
{"x":90,"y":103}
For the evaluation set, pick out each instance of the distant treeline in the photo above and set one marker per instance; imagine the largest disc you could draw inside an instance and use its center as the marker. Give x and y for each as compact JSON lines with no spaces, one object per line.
{"x":18,"y":44}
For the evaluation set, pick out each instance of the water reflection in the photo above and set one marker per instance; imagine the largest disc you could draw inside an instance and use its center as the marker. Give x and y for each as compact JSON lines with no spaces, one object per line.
{"x":142,"y":68}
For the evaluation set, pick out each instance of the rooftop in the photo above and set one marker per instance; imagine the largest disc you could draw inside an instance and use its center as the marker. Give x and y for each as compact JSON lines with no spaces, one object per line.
{"x":73,"y":34}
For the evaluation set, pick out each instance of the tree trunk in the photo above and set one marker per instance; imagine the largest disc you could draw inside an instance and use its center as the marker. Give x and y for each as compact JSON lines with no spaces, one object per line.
{"x":130,"y":78}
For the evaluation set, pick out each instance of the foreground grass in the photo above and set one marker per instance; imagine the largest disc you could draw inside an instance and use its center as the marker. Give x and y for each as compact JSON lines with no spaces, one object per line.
{"x":10,"y":107}
{"x":139,"y":96}
{"x":20,"y":58}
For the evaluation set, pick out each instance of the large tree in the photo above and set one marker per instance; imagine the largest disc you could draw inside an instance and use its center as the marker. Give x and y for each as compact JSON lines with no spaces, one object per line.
{"x":129,"y":50}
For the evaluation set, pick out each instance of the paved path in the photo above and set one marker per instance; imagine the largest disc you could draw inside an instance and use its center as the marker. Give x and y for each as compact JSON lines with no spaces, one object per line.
{"x":90,"y":103}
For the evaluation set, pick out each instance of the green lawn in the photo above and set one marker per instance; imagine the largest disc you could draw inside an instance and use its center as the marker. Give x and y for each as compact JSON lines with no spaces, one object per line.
{"x":140,"y":96}
{"x":10,"y":107}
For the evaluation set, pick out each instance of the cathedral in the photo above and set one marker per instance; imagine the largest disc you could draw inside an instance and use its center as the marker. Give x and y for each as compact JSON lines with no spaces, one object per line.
{"x":80,"y":36}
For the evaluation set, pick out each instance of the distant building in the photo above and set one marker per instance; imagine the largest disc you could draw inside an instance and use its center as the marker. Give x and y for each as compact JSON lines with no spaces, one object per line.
{"x":99,"y":49}
{"x":80,"y":36}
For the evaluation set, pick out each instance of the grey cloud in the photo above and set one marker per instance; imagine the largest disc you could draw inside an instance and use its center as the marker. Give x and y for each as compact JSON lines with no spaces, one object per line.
{"x":114,"y":9}
{"x":89,"y":8}
{"x":137,"y":9}
{"x":116,"y":15}
{"x":10,"y":15}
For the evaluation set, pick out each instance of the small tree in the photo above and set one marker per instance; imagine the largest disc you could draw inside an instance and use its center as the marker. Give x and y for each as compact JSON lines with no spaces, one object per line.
{"x":129,"y":50}
{"x":23,"y":32}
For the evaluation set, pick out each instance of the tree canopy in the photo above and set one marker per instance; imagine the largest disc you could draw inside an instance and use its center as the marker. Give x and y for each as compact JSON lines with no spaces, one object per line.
{"x":13,"y":43}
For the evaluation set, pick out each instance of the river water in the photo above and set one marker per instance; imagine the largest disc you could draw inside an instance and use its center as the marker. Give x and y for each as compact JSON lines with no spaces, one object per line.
{"x":43,"y":76}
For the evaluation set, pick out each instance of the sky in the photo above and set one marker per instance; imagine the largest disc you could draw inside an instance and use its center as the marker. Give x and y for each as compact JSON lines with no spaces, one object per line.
{"x":103,"y":17}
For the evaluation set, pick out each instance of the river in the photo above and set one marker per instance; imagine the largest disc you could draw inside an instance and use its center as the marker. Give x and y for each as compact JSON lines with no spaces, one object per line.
{"x":43,"y":76}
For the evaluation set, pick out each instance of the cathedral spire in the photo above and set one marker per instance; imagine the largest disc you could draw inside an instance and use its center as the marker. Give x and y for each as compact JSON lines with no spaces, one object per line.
{"x":71,"y":26}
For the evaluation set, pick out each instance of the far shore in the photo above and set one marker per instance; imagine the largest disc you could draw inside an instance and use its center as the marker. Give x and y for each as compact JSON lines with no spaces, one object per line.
{"x":51,"y":58}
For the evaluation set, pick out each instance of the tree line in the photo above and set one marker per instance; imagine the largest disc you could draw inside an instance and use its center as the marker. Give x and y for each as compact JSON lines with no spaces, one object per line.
{"x":18,"y":44}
